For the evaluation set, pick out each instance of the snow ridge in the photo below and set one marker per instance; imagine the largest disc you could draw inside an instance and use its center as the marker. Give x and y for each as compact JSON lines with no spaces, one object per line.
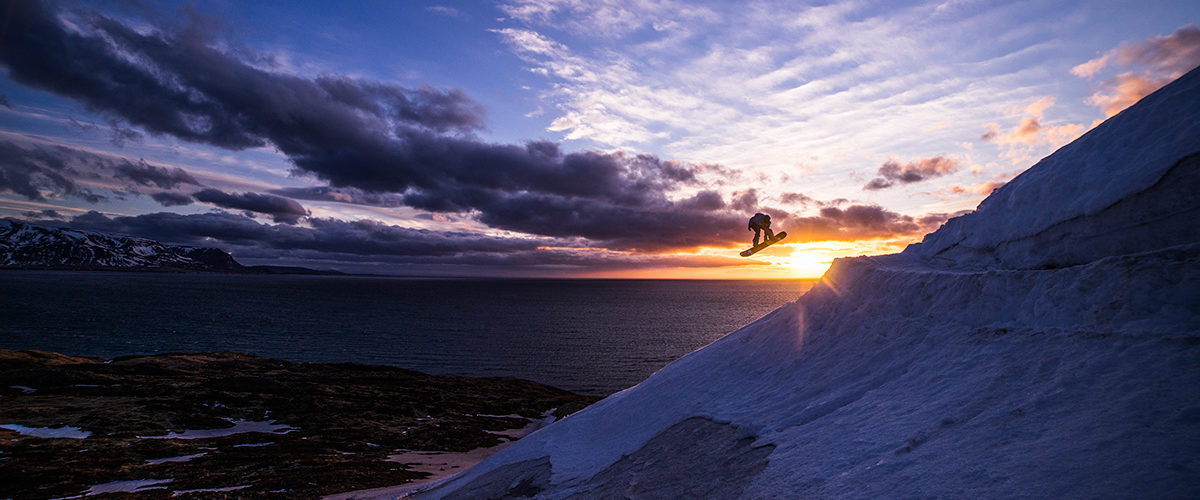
{"x":27,"y":245}
{"x":1045,"y":346}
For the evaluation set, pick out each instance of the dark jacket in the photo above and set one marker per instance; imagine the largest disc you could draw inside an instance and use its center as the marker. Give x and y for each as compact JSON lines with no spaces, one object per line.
{"x":761,"y":221}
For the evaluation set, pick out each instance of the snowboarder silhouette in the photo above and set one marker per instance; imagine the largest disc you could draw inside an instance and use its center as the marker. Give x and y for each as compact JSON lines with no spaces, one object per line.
{"x":761,"y":223}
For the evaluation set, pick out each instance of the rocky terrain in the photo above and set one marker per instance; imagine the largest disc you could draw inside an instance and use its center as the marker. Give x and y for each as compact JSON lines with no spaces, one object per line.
{"x":232,"y":425}
{"x":25,"y":245}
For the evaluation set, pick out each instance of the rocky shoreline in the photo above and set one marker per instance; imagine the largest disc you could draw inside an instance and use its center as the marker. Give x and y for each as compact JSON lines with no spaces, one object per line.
{"x":232,"y":425}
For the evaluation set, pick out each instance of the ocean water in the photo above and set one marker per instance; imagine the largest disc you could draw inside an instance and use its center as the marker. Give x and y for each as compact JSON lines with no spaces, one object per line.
{"x":588,"y":336}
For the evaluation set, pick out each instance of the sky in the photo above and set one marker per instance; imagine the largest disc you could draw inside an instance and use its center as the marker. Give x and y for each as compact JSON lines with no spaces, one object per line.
{"x":554,"y":138}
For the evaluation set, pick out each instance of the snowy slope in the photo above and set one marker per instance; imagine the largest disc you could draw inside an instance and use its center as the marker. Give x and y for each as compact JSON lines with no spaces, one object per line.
{"x":1045,"y":346}
{"x":27,"y":245}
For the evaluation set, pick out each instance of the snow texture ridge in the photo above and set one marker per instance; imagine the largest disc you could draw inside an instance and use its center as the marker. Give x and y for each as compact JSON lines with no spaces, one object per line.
{"x":1045,"y":346}
{"x":27,"y":245}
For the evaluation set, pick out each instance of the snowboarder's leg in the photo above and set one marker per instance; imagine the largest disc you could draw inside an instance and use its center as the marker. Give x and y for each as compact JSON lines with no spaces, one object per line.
{"x":770,"y":233}
{"x":756,"y":233}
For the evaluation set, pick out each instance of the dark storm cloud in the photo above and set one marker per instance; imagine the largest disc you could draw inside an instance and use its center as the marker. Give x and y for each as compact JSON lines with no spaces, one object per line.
{"x":327,"y":236}
{"x":168,"y":199}
{"x":745,"y":201}
{"x":662,"y":226}
{"x":44,"y":214}
{"x":371,"y":246}
{"x":342,"y":195}
{"x":37,"y":172}
{"x":146,"y":175}
{"x":871,"y":217}
{"x":186,"y":88}
{"x":375,"y":144}
{"x":280,"y":209}
{"x":704,"y":200}
{"x":860,"y":222}
{"x":892,"y":171}
{"x":355,"y":133}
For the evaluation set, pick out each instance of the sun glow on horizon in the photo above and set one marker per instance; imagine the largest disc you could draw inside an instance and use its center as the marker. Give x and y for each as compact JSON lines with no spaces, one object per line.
{"x":807,"y":260}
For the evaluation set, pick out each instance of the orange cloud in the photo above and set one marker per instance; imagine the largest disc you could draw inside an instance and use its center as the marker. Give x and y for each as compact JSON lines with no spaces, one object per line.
{"x":1161,"y":60}
{"x":1031,"y":131}
{"x":1124,"y":90}
{"x":983,"y":188}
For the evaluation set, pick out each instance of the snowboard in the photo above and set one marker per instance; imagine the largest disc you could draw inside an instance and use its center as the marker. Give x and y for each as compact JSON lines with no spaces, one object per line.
{"x":778,"y":236}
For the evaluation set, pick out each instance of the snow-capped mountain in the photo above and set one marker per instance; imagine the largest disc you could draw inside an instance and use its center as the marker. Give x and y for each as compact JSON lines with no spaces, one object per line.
{"x":1046,"y":345}
{"x":32,"y":246}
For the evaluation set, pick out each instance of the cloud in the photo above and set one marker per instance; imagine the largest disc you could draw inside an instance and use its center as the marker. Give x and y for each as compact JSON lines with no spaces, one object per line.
{"x":354,"y":133}
{"x":168,"y":199}
{"x":705,"y":201}
{"x":331,"y":237}
{"x":380,"y":144}
{"x":1090,"y":68}
{"x":187,"y":88}
{"x":280,"y":209}
{"x":1021,"y":140}
{"x":745,"y":201}
{"x":856,"y":222}
{"x":349,"y":195}
{"x":758,"y":85}
{"x":372,"y":246}
{"x":892,"y":172}
{"x":609,"y":19}
{"x":446,"y":11}
{"x":1160,"y":59}
{"x":1124,"y":90}
{"x":797,"y":199}
{"x":146,"y":175}
{"x":38,"y":172}
{"x":44,"y":214}
{"x":935,"y":220}
{"x":1023,"y":133}
{"x":978,"y":188}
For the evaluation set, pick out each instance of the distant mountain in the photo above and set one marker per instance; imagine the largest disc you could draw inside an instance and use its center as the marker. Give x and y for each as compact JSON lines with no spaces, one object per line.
{"x":24,"y":245}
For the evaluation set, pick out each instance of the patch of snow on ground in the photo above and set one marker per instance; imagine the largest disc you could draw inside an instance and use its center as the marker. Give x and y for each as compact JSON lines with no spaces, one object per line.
{"x":204,"y":490}
{"x":443,"y":464}
{"x":181,"y":458}
{"x":126,"y":487}
{"x":253,"y":445}
{"x":65,"y":431}
{"x":239,"y":427}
